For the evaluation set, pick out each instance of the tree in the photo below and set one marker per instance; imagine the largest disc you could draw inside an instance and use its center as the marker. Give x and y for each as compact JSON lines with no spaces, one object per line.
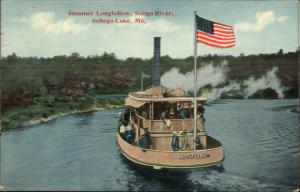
{"x":12,"y":58}
{"x":75,"y":55}
{"x":280,"y":52}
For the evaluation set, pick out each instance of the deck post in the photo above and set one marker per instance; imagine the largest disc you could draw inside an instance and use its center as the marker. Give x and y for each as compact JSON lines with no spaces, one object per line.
{"x":142,"y":81}
{"x":150,"y":111}
{"x":195,"y":84}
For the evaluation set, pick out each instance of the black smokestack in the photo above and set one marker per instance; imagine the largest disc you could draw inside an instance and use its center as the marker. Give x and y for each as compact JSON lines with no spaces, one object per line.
{"x":155,"y":65}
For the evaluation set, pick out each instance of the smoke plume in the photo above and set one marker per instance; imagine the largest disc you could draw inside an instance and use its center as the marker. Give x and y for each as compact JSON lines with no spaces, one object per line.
{"x":207,"y":75}
{"x":269,"y":80}
{"x":213,"y":82}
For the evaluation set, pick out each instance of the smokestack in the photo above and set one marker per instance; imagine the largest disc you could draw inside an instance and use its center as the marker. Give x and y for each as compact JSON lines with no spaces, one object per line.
{"x":156,"y":65}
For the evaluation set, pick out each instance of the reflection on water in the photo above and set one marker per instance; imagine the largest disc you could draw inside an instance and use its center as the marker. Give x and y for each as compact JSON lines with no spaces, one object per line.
{"x":177,"y":180}
{"x":79,"y":152}
{"x":144,"y":177}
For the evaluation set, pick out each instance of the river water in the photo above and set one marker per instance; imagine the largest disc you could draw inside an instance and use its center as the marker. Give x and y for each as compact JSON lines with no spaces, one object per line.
{"x":79,"y":152}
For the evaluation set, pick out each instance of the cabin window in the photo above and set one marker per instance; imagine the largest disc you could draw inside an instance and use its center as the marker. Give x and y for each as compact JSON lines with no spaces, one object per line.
{"x":143,"y":111}
{"x":176,"y":110}
{"x":167,"y":110}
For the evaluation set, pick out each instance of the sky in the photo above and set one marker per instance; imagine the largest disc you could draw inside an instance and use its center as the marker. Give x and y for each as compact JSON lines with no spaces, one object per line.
{"x":45,"y":28}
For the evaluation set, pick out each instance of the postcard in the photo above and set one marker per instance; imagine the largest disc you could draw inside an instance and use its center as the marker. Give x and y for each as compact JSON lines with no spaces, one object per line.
{"x":149,"y":95}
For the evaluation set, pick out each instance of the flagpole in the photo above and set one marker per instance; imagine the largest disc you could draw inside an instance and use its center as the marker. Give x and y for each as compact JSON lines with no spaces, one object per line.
{"x":195,"y":84}
{"x":142,"y":81}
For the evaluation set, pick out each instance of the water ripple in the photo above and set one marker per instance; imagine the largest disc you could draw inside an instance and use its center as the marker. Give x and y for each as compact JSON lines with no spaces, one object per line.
{"x":79,"y":152}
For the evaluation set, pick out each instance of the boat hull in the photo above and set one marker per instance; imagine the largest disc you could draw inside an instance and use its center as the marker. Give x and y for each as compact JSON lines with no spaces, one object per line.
{"x":171,"y":159}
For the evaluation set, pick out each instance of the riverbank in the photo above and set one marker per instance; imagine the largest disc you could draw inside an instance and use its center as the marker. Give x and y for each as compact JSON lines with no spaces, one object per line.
{"x":41,"y":113}
{"x":22,"y":124}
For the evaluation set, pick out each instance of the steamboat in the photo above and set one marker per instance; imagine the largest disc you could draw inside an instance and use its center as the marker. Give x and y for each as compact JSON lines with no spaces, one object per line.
{"x":161,"y":128}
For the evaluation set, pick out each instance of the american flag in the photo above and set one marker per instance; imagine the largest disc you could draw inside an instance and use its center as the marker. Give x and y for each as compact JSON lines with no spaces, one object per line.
{"x":214,"y":34}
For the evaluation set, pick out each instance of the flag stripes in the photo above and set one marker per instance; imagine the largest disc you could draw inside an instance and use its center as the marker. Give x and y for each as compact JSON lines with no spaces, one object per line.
{"x":214,"y":34}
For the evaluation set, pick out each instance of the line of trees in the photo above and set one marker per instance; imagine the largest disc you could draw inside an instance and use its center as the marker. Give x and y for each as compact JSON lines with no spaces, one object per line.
{"x":29,"y":80}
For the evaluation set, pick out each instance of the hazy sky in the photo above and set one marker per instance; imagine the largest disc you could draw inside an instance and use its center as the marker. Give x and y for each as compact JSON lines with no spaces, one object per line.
{"x":44,"y":28}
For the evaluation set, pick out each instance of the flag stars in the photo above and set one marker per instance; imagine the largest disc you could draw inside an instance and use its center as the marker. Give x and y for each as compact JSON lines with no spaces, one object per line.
{"x":204,"y":25}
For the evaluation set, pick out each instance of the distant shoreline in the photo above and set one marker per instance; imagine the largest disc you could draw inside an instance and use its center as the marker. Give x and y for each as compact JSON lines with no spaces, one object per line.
{"x":26,"y":123}
{"x":23,"y":124}
{"x":43,"y":112}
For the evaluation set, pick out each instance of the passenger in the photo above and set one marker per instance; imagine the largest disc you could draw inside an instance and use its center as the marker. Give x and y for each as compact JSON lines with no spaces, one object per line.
{"x":175,"y":142}
{"x":163,"y":115}
{"x":178,"y":106}
{"x":172,"y":113}
{"x":201,"y":113}
{"x":183,"y":113}
{"x":183,"y":141}
{"x":122,"y":130}
{"x":201,"y":109}
{"x":129,"y":134}
{"x":164,"y":118}
{"x":145,"y":140}
{"x":190,"y":113}
{"x":128,"y":127}
{"x":126,"y":115}
{"x":124,"y":119}
{"x":147,"y":135}
{"x":178,"y":114}
{"x":168,"y":123}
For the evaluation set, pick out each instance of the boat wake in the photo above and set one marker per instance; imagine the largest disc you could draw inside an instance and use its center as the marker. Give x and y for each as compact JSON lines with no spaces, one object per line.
{"x":289,"y":108}
{"x":215,"y":181}
{"x":206,"y":179}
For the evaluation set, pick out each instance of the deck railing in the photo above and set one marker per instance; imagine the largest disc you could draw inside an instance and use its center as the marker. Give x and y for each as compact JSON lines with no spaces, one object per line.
{"x":160,"y":126}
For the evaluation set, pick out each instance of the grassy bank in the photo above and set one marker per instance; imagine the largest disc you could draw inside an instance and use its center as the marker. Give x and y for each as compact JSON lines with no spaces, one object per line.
{"x":41,"y":112}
